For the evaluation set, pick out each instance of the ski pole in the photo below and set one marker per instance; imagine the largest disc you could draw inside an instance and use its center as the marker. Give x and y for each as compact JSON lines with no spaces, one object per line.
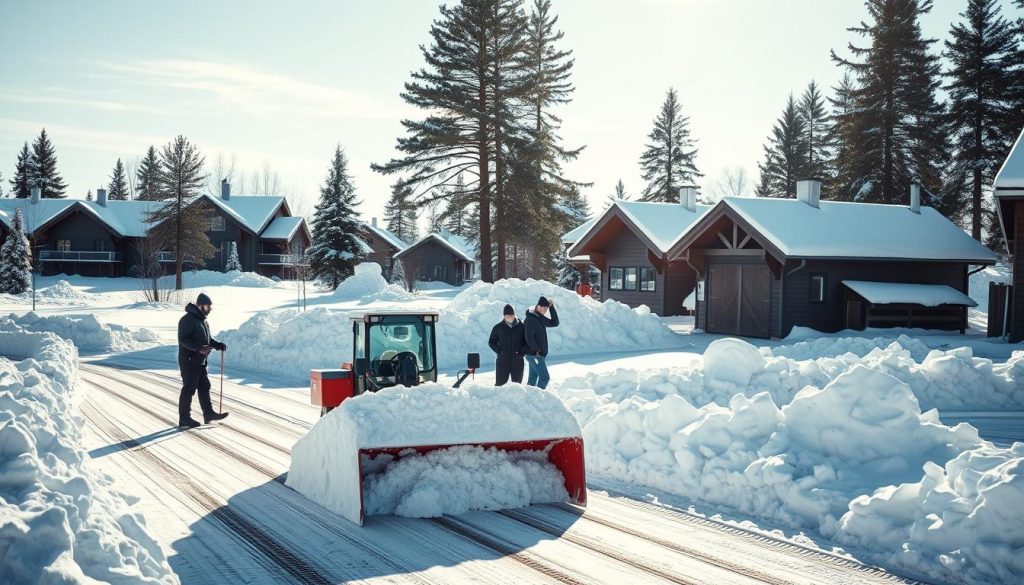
{"x":221,"y":407}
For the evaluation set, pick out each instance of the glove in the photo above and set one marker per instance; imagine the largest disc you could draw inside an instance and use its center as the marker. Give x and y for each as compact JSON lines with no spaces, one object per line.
{"x":221,"y":346}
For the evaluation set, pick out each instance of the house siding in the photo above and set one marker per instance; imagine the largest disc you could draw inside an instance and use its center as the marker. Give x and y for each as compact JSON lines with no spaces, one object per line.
{"x":1016,"y":332}
{"x":423,"y":259}
{"x":625,"y":250}
{"x":86,"y":234}
{"x":680,"y":280}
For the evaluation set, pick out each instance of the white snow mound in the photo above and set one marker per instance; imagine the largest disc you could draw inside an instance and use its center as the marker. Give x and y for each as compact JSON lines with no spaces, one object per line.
{"x":85,"y":331}
{"x":368,"y":285}
{"x":210,"y":278}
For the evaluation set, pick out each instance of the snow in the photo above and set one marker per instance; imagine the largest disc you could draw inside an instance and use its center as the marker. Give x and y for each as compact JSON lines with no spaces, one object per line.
{"x":325,"y":462}
{"x":60,"y":522}
{"x":388,"y":236}
{"x":208,"y":278}
{"x":59,"y":293}
{"x":368,"y":285}
{"x":572,"y":236}
{"x":458,"y":245}
{"x":662,"y":223}
{"x":282,"y":228}
{"x":253,"y":212}
{"x":85,"y":331}
{"x":36,"y":214}
{"x":928,"y":295}
{"x":1010,"y":178}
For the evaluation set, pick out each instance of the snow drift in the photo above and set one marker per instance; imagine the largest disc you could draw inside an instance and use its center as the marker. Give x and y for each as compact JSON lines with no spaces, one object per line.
{"x":86,"y":332}
{"x":368,"y":285}
{"x":59,"y":521}
{"x":210,"y":278}
{"x":326,"y":462}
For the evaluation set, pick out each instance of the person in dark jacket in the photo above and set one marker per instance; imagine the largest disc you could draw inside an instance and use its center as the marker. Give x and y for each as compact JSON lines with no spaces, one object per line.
{"x":194,"y":345}
{"x":536,"y":326}
{"x":507,"y":342}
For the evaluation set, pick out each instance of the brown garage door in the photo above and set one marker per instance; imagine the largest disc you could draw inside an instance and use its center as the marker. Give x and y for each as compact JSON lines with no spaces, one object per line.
{"x":739,"y":299}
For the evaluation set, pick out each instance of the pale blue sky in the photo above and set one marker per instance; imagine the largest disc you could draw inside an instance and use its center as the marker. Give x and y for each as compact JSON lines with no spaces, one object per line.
{"x":282,"y":82}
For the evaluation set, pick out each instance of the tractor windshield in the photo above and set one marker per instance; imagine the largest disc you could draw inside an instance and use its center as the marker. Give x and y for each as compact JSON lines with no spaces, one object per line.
{"x":395,"y":334}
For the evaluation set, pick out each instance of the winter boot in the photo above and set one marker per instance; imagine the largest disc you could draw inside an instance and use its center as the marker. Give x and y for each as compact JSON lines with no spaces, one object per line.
{"x":215,"y":416}
{"x":188,"y":423}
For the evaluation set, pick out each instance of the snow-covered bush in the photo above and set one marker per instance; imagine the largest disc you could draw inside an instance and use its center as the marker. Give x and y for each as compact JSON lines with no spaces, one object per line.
{"x":86,"y":332}
{"x":208,"y":278}
{"x":60,"y":522}
{"x":16,"y":259}
{"x":368,"y":285}
{"x":233,"y":264}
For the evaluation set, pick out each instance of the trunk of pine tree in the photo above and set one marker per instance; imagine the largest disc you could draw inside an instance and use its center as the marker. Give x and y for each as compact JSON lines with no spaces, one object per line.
{"x":887,"y":146}
{"x":500,"y":228}
{"x":178,"y":248}
{"x":976,"y":186}
{"x":484,"y":170}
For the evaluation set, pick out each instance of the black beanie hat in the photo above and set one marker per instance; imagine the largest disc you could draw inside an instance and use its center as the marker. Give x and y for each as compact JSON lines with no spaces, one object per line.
{"x":543,"y":302}
{"x":508,"y":310}
{"x":202,"y":299}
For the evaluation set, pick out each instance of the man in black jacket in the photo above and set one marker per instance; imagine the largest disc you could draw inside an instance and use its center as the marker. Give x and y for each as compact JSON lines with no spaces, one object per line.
{"x":508,"y":344}
{"x":536,"y":330}
{"x":194,"y":344}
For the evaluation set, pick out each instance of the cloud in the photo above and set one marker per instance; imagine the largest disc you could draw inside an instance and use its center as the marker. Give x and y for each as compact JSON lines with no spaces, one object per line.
{"x":78,"y":137}
{"x":47,"y":96}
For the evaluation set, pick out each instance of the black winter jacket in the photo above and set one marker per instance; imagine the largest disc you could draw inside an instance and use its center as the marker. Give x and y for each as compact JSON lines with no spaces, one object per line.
{"x":193,"y":335}
{"x":507,"y":341}
{"x":536,"y":326}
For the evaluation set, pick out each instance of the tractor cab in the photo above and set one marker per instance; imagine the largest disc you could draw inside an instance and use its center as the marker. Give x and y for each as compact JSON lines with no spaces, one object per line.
{"x":392,"y":348}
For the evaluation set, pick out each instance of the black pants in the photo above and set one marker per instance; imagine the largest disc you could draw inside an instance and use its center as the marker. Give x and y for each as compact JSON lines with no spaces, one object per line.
{"x":503,"y":369}
{"x":194,"y":378}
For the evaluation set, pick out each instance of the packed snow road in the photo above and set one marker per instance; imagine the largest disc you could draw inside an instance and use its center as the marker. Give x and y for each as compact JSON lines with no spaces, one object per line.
{"x":215,"y":499}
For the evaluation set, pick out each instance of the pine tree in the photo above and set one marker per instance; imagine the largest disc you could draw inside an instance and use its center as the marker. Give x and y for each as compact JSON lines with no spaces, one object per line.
{"x":147,"y":177}
{"x":398,"y":274}
{"x":669,"y":161}
{"x":458,"y":211}
{"x":335,"y":249}
{"x":182,"y":223}
{"x":618,"y":194}
{"x":88,"y":195}
{"x":576,"y":212}
{"x":816,"y":134}
{"x":400,"y":213}
{"x":24,"y":170}
{"x":785,"y":155}
{"x":16,"y":259}
{"x":841,"y":130}
{"x":45,"y":175}
{"x":980,"y":99}
{"x":895,"y":130}
{"x":118,"y":188}
{"x":1014,"y":122}
{"x":233,"y":264}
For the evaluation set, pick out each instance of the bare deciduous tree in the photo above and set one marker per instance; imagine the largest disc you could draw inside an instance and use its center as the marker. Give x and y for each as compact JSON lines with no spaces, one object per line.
{"x":732,"y":182}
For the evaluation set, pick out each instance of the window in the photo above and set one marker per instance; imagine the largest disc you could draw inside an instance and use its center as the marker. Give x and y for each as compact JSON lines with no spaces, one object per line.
{"x":817,"y":288}
{"x":64,"y":245}
{"x":631,"y":278}
{"x":648,"y":281}
{"x":615,"y":278}
{"x":216,"y":224}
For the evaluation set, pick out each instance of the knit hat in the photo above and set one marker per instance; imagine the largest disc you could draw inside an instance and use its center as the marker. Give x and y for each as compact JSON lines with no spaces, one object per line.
{"x":202,"y":299}
{"x":543,"y":302}
{"x":508,"y":310}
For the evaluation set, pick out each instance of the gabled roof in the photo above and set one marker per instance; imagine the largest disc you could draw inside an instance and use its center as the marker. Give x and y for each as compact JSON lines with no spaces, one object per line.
{"x":283,"y":228}
{"x":253,"y":212}
{"x":458,"y":245}
{"x":388,"y":236}
{"x":36,"y":216}
{"x":1010,"y":178}
{"x":126,"y":218}
{"x":571,"y":236}
{"x":658,"y":225}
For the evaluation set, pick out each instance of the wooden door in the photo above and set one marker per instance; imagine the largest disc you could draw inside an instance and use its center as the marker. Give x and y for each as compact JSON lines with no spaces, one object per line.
{"x":755,"y":293}
{"x":723,"y":298}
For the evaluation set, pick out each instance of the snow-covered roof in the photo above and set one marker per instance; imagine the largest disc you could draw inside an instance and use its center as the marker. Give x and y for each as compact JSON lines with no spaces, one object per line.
{"x":1010,"y":178}
{"x":35,"y":215}
{"x":928,"y":295}
{"x":253,"y":212}
{"x":282,"y":228}
{"x":364,"y":247}
{"x":571,"y":236}
{"x":127,"y":218}
{"x":663,"y":223}
{"x":837,"y":229}
{"x":457,"y":244}
{"x":388,"y":236}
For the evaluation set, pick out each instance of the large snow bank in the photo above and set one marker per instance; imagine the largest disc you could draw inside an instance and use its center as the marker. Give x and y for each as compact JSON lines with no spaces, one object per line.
{"x":368,"y":285}
{"x":59,"y":521}
{"x":325,"y":463}
{"x":209,"y":278}
{"x":86,"y":332}
{"x":587,"y":326}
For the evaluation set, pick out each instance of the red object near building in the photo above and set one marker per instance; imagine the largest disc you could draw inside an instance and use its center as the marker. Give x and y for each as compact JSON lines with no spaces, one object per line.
{"x":584,"y":290}
{"x":328,"y":388}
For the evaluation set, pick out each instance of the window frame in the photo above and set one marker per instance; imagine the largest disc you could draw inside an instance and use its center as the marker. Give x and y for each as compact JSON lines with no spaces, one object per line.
{"x":653,"y":279}
{"x":817,"y":294}
{"x":622,"y":278}
{"x":218,"y":220}
{"x":63,"y":245}
{"x":636,"y":278}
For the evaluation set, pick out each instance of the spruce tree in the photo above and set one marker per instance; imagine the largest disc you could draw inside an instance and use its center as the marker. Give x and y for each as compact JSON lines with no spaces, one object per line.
{"x":785,"y":154}
{"x":147,"y":177}
{"x":575,"y":212}
{"x":118,"y":188}
{"x":88,"y":195}
{"x":815,"y":117}
{"x":16,"y":259}
{"x":24,"y":170}
{"x":335,"y":249}
{"x":980,"y":91}
{"x":896,"y":131}
{"x":1014,"y":122}
{"x":398,"y":274}
{"x":842,"y":130}
{"x":233,"y":264}
{"x":618,"y":194}
{"x":400,"y":213}
{"x":458,"y":211}
{"x":45,"y":174}
{"x":182,"y":224}
{"x":669,"y":161}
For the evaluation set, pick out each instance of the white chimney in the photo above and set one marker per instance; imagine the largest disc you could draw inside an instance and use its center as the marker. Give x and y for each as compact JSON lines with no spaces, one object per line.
{"x":373,"y":221}
{"x":37,"y":194}
{"x":445,"y":233}
{"x":225,"y":190}
{"x":101,"y":197}
{"x":809,"y":192}
{"x":688,"y":197}
{"x":915,"y":197}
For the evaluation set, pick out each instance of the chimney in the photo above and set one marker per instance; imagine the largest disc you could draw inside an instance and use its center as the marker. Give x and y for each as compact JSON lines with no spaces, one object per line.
{"x":37,"y":194}
{"x":688,"y":197}
{"x":809,"y":191}
{"x":373,"y":221}
{"x":101,"y":197}
{"x":225,"y":190}
{"x":445,"y":233}
{"x":915,"y":197}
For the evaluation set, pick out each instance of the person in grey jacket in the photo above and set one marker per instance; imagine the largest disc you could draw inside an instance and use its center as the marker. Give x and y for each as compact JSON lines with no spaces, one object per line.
{"x":536,"y":337}
{"x":194,"y":345}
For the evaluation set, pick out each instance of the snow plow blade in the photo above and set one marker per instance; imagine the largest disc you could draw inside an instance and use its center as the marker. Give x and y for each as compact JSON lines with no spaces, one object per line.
{"x":565,"y":453}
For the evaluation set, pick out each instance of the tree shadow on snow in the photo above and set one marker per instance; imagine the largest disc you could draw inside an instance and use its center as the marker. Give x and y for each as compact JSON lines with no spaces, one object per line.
{"x":271,"y":533}
{"x":136,"y":442}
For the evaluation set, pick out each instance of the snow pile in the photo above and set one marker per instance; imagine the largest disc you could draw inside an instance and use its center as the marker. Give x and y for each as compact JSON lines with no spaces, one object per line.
{"x":459,"y":479}
{"x":325,"y":463}
{"x":62,"y":293}
{"x":59,"y":521}
{"x":85,"y":331}
{"x":209,"y":278}
{"x":831,"y":346}
{"x":962,"y":522}
{"x":587,"y":326}
{"x":368,"y":285}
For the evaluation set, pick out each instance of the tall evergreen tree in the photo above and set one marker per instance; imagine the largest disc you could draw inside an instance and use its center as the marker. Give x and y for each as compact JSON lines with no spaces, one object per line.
{"x":182,"y":223}
{"x":16,"y":259}
{"x":400,"y":213}
{"x":618,"y":194}
{"x":841,"y":130}
{"x":118,"y":188}
{"x":24,"y":170}
{"x":815,"y":117}
{"x":1014,"y":122}
{"x":896,"y":123}
{"x":88,"y":195}
{"x":669,"y":161}
{"x":45,"y":174}
{"x":458,"y":211}
{"x":335,"y":249}
{"x":785,"y":154}
{"x":147,"y":177}
{"x":233,"y":263}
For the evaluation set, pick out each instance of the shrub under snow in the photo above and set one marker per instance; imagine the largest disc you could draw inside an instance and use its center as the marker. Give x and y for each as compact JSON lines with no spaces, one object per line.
{"x":60,"y":522}
{"x":86,"y":332}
